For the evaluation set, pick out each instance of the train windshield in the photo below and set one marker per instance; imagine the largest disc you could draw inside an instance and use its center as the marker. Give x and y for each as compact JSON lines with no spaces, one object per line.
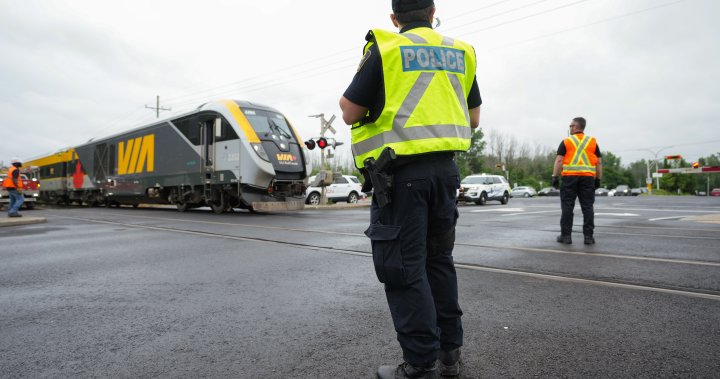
{"x":268,"y":123}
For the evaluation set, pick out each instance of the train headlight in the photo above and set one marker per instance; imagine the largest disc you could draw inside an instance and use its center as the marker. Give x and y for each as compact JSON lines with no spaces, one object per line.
{"x":260,"y":152}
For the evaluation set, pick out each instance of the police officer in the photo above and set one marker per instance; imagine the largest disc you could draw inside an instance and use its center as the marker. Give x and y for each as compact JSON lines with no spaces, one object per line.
{"x":13,"y":184}
{"x":578,"y":159}
{"x":415,"y":92}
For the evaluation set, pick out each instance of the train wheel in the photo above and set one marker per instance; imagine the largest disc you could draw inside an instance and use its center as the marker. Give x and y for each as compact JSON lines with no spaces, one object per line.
{"x":217,"y":208}
{"x":182,"y":207}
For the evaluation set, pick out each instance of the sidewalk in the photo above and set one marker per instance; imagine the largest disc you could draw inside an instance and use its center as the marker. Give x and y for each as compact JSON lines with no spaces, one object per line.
{"x":17,"y":221}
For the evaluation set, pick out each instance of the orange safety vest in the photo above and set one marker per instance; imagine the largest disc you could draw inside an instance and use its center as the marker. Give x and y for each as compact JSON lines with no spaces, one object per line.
{"x":580,"y":158}
{"x":8,"y":182}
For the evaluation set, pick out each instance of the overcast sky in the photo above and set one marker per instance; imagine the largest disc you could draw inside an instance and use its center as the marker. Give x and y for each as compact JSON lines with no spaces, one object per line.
{"x":643,"y":74}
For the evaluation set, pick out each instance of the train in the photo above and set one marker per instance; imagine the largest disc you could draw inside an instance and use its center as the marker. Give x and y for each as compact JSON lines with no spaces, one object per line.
{"x":225,"y":154}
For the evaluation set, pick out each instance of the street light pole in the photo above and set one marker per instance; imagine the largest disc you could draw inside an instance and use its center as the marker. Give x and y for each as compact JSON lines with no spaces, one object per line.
{"x":655,"y":153}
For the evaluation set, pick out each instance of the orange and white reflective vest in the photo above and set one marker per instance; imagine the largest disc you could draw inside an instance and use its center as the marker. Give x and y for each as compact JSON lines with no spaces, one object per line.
{"x":8,"y":182}
{"x":580,"y":158}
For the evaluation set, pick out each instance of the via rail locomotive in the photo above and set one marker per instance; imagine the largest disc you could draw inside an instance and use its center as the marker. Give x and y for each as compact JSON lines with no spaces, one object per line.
{"x":225,"y":154}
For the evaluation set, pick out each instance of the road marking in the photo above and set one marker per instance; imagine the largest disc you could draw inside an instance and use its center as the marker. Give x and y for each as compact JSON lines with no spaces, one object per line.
{"x":667,"y":218}
{"x":601,"y":255}
{"x":458,"y":265}
{"x":530,"y":213}
{"x":499,"y":210}
{"x":617,"y":214}
{"x":590,"y":281}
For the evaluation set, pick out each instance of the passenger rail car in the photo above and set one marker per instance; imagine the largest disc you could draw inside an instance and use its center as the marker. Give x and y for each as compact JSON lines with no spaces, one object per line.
{"x":225,"y":155}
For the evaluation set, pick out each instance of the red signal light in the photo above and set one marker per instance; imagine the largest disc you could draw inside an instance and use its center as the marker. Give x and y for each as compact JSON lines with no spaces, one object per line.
{"x":322,"y":142}
{"x":695,"y":165}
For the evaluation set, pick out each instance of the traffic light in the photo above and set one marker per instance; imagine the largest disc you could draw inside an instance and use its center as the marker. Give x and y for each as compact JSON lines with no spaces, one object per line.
{"x":695,"y":165}
{"x":322,"y":143}
{"x":310,"y":144}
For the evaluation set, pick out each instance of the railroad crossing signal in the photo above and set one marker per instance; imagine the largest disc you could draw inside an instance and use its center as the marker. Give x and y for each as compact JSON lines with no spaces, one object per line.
{"x":673,"y":157}
{"x":322,"y":143}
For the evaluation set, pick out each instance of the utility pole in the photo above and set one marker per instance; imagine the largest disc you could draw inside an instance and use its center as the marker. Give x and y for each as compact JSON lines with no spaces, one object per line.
{"x":157,"y":107}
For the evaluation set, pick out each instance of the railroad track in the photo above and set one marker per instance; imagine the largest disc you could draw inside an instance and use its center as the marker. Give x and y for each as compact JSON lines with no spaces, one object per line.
{"x":555,"y":276}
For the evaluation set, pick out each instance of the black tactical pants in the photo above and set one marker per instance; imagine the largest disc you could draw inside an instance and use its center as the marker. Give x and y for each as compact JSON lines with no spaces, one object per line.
{"x":412,"y":242}
{"x":582,"y":188}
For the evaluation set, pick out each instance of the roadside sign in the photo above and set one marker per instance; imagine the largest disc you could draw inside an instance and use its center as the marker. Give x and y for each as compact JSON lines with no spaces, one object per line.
{"x":657,"y":175}
{"x":648,"y":181}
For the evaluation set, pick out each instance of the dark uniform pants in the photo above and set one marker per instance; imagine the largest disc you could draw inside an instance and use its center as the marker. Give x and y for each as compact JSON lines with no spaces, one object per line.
{"x":412,"y":243}
{"x":582,"y":188}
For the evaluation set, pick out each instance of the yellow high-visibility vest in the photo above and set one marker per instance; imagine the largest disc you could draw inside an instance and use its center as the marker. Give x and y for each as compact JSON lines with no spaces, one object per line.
{"x":428,"y":78}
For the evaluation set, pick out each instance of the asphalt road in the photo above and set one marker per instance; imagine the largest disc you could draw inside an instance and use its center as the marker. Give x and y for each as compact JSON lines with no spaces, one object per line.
{"x":156,"y":293}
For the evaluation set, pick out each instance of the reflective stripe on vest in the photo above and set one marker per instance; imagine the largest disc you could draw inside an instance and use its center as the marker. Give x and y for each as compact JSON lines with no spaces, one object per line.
{"x":8,"y":182}
{"x":580,"y":163}
{"x":438,"y":70}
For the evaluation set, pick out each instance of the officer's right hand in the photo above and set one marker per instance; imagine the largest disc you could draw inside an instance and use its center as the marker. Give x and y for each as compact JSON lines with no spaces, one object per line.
{"x":597,"y":183}
{"x":555,"y":182}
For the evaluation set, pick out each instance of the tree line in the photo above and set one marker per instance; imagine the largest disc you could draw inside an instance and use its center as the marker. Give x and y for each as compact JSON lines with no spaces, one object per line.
{"x":532,"y":165}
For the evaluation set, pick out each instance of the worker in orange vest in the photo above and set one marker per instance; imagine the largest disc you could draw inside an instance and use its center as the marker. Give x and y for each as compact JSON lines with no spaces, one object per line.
{"x":13,"y":184}
{"x":579,"y":161}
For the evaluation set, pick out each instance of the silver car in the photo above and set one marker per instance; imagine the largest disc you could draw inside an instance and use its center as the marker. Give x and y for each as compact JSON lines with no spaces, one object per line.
{"x":523,"y":192}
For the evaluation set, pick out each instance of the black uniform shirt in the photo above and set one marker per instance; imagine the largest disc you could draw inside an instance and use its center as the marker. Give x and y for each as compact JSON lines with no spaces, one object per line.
{"x":562,"y":150}
{"x":368,"y":87}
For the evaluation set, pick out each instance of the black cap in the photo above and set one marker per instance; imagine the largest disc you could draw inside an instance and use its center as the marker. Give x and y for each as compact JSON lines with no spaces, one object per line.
{"x":401,"y":6}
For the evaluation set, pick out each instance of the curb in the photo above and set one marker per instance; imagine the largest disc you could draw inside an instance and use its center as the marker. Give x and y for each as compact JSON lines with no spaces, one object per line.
{"x":21,"y":221}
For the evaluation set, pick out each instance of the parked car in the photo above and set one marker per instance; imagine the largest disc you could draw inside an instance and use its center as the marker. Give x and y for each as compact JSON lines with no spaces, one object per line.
{"x":31,"y":192}
{"x":523,"y":192}
{"x":344,"y":188}
{"x":611,"y":193}
{"x":639,"y":191}
{"x":481,"y":188}
{"x":549,"y":191}
{"x":602,"y":192}
{"x":622,"y":190}
{"x":715,"y":192}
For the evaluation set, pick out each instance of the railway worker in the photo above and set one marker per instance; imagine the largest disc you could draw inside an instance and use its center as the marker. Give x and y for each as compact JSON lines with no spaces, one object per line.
{"x":13,"y":184}
{"x":416,"y":93}
{"x":579,"y":161}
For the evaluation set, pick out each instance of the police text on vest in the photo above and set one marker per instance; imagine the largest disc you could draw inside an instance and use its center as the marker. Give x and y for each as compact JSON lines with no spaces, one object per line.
{"x":432,"y":58}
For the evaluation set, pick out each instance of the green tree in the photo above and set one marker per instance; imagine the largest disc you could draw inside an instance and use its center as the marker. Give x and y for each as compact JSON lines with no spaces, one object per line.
{"x":472,"y":161}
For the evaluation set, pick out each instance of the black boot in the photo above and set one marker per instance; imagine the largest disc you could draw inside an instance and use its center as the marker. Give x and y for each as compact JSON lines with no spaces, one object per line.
{"x":449,"y":363}
{"x":564,"y":239}
{"x":406,"y":370}
{"x":589,"y":240}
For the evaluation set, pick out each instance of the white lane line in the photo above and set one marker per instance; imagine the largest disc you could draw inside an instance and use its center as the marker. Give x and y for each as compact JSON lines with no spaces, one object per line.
{"x":458,"y":265}
{"x":530,"y":213}
{"x":667,"y":218}
{"x":600,"y":255}
{"x":592,"y":281}
{"x":498,"y":210}
{"x":597,"y":208}
{"x":618,"y":214}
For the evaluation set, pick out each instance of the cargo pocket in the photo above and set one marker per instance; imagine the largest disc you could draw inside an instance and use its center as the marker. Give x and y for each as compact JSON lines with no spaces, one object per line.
{"x":387,"y":254}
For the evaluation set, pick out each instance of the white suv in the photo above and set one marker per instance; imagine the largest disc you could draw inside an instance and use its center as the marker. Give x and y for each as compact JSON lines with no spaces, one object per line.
{"x":483,"y":187}
{"x":344,"y":188}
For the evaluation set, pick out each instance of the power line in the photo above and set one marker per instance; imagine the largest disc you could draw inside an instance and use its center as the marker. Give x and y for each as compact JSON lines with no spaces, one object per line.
{"x":526,"y":17}
{"x":498,"y":14}
{"x":256,"y":77}
{"x":603,"y":21}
